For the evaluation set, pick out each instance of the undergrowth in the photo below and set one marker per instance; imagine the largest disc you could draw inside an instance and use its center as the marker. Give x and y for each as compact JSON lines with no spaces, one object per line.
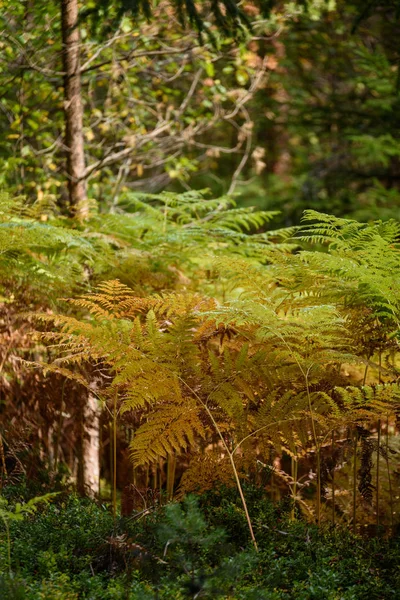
{"x":73,"y":548}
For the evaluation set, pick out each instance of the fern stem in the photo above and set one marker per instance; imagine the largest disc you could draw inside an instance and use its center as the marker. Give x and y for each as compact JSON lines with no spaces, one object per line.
{"x":160,"y":480}
{"x":114,"y":502}
{"x":232,"y":461}
{"x":365,"y":374}
{"x":3,"y":461}
{"x":377,"y":475}
{"x":294,"y":468}
{"x":239,"y":486}
{"x":388,"y":472}
{"x":110,"y":437}
{"x":155,"y":476}
{"x":355,"y":483}
{"x":171,"y":467}
{"x":333,"y":481}
{"x":378,"y":452}
{"x":317,"y":448}
{"x":59,"y":429}
{"x":318,"y":487}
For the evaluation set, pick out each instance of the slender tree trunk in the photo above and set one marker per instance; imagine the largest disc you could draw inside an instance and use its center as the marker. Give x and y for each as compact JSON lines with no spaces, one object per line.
{"x":92,"y":445}
{"x":73,"y":109}
{"x":88,"y":446}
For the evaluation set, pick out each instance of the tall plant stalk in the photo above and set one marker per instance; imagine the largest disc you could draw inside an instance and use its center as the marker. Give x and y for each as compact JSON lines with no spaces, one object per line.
{"x":231,"y":454}
{"x":378,"y":452}
{"x":317,"y":448}
{"x":378,"y":475}
{"x":3,"y":461}
{"x":355,"y":484}
{"x":114,"y":503}
{"x":236,"y":475}
{"x":333,"y":482}
{"x":388,"y":472}
{"x":231,"y":460}
{"x":294,"y":468}
{"x":59,"y":429}
{"x":110,"y":436}
{"x":160,"y":479}
{"x":171,"y":466}
{"x":365,"y":374}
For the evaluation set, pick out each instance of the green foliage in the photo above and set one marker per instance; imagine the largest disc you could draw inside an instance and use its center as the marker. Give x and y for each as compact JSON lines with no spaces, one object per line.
{"x":295,"y":560}
{"x":355,"y":257}
{"x":263,"y":371}
{"x":221,"y":351}
{"x":154,"y":102}
{"x":18,"y":514}
{"x":157,"y":235}
{"x":229,"y":18}
{"x":22,"y":510}
{"x":36,"y":250}
{"x":54,"y":545}
{"x":331,"y":117}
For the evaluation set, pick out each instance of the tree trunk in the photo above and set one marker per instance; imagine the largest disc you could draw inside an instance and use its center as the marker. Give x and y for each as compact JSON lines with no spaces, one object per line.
{"x":73,"y":109}
{"x":92,"y":445}
{"x":88,"y":445}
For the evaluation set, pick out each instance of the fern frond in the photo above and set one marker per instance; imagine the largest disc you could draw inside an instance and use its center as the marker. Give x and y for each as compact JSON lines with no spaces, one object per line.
{"x":206,"y":471}
{"x":173,"y":428}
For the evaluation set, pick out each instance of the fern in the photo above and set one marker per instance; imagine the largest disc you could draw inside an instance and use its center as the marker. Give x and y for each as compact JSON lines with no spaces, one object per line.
{"x":260,"y":365}
{"x":171,"y":429}
{"x":39,"y":252}
{"x":363,"y":262}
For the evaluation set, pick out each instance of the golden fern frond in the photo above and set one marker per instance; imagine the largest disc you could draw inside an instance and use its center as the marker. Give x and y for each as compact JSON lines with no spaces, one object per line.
{"x":206,"y":471}
{"x":227,"y":398}
{"x":53,"y":368}
{"x":112,"y":299}
{"x":146,"y":382}
{"x":171,"y":428}
{"x":374,"y":401}
{"x":93,"y":341}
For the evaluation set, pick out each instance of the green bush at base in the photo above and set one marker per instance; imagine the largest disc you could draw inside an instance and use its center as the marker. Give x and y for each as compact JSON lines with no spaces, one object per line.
{"x":72,"y":549}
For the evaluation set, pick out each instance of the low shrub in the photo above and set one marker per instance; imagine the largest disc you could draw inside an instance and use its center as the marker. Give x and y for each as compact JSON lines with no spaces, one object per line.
{"x":73,"y":548}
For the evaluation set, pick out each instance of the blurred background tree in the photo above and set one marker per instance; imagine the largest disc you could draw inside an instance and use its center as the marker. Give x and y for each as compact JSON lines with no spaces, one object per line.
{"x":328,"y":127}
{"x":300,"y":112}
{"x":87,"y":113}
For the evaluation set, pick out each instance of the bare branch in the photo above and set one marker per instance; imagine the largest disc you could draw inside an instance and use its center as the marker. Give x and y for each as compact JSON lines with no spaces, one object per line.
{"x":245,"y":156}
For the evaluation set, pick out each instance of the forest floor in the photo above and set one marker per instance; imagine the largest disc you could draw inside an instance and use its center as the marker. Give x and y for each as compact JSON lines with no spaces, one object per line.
{"x":72,"y":548}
